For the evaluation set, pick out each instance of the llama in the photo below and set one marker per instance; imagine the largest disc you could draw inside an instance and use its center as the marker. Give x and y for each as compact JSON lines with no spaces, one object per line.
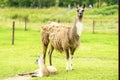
{"x":42,"y":71}
{"x":62,"y":38}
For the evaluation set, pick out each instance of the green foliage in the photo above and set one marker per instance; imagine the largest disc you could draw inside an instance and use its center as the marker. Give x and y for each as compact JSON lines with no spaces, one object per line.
{"x":49,"y":3}
{"x":18,"y":16}
{"x":104,"y":4}
{"x":27,"y":3}
{"x":56,"y":14}
{"x":109,"y":10}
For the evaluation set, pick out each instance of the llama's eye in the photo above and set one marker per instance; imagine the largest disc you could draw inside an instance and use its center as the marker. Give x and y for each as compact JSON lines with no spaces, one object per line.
{"x":36,"y":60}
{"x":77,"y":10}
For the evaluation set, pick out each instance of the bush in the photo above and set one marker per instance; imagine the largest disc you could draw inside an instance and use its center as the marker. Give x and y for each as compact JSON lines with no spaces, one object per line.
{"x":19,"y":16}
{"x":15,"y":16}
{"x":104,"y":4}
{"x":108,"y":10}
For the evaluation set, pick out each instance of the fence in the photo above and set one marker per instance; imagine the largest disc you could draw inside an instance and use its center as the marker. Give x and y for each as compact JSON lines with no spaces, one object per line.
{"x":101,"y":26}
{"x":92,"y":26}
{"x":88,"y":25}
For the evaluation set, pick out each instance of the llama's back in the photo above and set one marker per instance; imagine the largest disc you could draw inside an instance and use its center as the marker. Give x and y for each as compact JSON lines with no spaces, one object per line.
{"x":59,"y":36}
{"x":46,"y":30}
{"x":51,"y":27}
{"x":55,"y":32}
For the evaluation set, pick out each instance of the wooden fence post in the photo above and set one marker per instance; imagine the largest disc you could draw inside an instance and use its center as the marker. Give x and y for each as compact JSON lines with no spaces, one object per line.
{"x":25,"y":24}
{"x":93,"y":26}
{"x":13,"y":30}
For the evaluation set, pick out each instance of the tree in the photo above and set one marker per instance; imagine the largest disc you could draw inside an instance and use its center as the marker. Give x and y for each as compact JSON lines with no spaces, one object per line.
{"x":49,"y":3}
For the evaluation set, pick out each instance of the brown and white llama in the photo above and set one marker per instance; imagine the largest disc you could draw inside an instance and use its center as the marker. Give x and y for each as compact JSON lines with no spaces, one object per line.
{"x":62,"y":38}
{"x":42,"y":71}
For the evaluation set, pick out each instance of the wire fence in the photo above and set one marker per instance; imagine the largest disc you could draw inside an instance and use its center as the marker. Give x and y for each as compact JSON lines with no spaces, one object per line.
{"x":93,"y":26}
{"x":101,"y":26}
{"x":88,"y":25}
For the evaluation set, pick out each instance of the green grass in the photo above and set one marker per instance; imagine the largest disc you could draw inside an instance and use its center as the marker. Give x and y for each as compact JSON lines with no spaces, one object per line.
{"x":95,"y":59}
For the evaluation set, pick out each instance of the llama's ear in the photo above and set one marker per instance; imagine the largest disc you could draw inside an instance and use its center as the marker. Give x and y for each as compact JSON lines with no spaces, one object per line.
{"x":77,"y":6}
{"x":38,"y":57}
{"x":83,"y":6}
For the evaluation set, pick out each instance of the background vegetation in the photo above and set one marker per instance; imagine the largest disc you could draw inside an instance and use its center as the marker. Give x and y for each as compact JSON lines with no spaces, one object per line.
{"x":61,"y":3}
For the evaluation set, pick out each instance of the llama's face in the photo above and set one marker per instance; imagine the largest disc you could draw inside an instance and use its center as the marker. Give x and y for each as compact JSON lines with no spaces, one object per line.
{"x":80,"y":11}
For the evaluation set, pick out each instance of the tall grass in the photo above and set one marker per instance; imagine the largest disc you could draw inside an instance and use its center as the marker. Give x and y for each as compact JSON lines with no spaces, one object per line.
{"x":55,"y":13}
{"x":38,"y":17}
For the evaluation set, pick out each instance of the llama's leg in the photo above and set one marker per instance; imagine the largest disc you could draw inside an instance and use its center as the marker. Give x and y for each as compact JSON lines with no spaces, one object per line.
{"x":50,"y":54}
{"x":71,"y":62}
{"x":45,"y":42}
{"x":71,"y":57}
{"x":44,"y":51}
{"x":67,"y":59}
{"x":38,"y":74}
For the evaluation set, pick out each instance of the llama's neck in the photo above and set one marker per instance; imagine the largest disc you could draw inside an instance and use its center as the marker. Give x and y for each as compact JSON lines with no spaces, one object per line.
{"x":42,"y":67}
{"x":77,"y":29}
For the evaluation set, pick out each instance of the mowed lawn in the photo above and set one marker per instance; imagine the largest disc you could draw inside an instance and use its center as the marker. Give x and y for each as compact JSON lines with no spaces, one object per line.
{"x":95,"y":59}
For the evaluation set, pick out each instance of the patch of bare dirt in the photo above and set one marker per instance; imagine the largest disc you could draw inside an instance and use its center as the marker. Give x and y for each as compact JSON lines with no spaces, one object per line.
{"x":26,"y":77}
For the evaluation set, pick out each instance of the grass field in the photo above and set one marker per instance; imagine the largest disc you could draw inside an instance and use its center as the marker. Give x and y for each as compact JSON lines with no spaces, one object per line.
{"x":95,"y":59}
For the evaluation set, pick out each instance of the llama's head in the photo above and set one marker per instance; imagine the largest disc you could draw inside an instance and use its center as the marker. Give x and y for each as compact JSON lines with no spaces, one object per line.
{"x":80,"y":11}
